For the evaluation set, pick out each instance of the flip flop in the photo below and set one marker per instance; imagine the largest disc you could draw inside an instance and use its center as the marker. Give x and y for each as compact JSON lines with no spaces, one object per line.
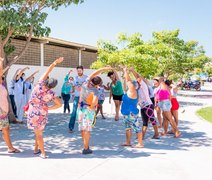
{"x":14,"y":151}
{"x":155,"y":137}
{"x":178,"y":135}
{"x":138,"y":146}
{"x":124,"y":144}
{"x":38,"y":152}
{"x":43,"y":157}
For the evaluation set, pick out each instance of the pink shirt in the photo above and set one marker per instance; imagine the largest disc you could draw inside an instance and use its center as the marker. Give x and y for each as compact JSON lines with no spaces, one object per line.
{"x":162,"y":94}
{"x":3,"y":99}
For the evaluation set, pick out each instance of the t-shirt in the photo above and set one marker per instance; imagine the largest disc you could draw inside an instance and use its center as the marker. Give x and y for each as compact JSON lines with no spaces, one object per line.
{"x":66,"y":88}
{"x":88,"y":93}
{"x":101,"y":95}
{"x":117,"y":88}
{"x":144,"y":95}
{"x":78,"y":81}
{"x":3,"y":99}
{"x":151,"y":91}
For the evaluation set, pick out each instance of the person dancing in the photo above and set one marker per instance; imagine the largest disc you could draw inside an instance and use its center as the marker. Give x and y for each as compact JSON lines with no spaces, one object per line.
{"x":4,"y":109}
{"x":130,"y":111}
{"x":37,"y":115}
{"x":116,"y":90}
{"x":87,"y":107}
{"x":146,"y":105}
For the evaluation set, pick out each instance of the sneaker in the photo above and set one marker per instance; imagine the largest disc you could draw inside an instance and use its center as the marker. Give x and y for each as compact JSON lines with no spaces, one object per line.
{"x":87,"y":151}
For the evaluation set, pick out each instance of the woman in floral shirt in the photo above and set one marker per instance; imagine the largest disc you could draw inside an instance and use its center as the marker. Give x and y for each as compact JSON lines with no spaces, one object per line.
{"x":38,"y":108}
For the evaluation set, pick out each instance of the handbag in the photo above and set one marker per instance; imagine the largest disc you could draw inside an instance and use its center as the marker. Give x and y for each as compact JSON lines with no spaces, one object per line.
{"x":26,"y":107}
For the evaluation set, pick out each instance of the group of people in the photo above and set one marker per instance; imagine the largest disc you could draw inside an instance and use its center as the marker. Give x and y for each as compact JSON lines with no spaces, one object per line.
{"x":89,"y":96}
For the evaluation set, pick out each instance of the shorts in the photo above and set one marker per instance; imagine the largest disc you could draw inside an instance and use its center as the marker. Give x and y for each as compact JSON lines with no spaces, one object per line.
{"x":132,"y":122}
{"x":119,"y":98}
{"x":100,"y":102}
{"x":175,"y":104}
{"x":3,"y":119}
{"x":85,"y":118}
{"x":147,"y":114}
{"x":165,"y":105}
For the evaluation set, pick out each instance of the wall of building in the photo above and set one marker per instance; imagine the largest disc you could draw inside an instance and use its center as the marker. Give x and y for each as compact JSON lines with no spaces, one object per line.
{"x":39,"y":57}
{"x":58,"y":73}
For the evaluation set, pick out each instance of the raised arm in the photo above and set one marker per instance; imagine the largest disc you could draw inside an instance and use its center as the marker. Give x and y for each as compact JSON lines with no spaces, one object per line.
{"x":50,"y":68}
{"x":99,"y":71}
{"x":21,"y":72}
{"x":6,"y":69}
{"x":135,"y":74}
{"x":116,"y":75}
{"x":16,"y":73}
{"x":32,"y":75}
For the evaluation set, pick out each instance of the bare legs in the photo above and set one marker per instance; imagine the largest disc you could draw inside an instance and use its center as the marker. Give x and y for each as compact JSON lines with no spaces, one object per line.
{"x":175,"y":115}
{"x":86,"y":139}
{"x":168,"y":117}
{"x":117,"y":109}
{"x":6,"y":137}
{"x":100,"y":108}
{"x":128,"y":139}
{"x":158,"y":111}
{"x":39,"y":143}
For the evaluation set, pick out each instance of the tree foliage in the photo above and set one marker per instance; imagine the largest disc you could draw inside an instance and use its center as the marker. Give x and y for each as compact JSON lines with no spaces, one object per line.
{"x":25,"y":18}
{"x":166,"y":54}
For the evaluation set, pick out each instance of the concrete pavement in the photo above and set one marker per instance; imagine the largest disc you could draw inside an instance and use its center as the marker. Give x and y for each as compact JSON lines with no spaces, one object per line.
{"x":188,"y":157}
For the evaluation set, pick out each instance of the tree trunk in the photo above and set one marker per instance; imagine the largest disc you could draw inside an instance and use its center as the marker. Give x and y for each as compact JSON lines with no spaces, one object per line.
{"x":11,"y":116}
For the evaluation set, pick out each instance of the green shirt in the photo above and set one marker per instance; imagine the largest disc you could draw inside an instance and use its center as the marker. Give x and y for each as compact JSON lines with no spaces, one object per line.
{"x":67,"y":86}
{"x":117,"y":88}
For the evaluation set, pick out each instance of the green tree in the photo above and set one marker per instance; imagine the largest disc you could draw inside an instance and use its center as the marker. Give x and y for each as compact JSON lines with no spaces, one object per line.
{"x":25,"y":18}
{"x":166,"y":54}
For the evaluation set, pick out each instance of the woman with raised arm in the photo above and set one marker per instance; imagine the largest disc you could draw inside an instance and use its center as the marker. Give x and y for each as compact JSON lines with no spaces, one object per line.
{"x":116,"y":91}
{"x":146,"y":106}
{"x":87,"y":106}
{"x":130,"y":111}
{"x":37,"y":115}
{"x":4,"y":109}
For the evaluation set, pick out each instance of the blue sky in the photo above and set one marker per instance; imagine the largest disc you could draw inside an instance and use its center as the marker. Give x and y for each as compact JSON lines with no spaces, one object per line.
{"x":104,"y":19}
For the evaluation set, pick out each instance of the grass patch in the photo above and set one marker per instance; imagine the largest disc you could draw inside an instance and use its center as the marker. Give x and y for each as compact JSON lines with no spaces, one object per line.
{"x":206,"y":113}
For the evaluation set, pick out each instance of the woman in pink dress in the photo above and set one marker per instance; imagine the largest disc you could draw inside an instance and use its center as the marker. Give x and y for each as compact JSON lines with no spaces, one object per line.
{"x":37,"y":115}
{"x":4,"y":109}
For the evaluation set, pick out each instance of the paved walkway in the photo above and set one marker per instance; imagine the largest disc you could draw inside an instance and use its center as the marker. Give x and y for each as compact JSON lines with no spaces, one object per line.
{"x":189,"y":157}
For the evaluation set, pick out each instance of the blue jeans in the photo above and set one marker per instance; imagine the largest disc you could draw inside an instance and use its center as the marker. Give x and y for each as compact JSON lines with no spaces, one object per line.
{"x":74,"y":113}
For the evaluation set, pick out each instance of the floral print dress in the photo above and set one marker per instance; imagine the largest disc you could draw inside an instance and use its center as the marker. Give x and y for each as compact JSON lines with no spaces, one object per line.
{"x":37,"y":115}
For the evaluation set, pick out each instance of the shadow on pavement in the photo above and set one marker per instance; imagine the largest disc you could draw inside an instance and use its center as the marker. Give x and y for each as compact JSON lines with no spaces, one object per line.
{"x":105,"y":140}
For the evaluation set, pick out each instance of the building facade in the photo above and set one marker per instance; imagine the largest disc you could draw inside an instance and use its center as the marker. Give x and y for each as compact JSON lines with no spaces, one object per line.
{"x":42,"y":51}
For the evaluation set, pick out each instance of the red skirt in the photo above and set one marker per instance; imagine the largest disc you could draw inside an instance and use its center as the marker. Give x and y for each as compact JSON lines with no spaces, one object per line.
{"x":175,"y":104}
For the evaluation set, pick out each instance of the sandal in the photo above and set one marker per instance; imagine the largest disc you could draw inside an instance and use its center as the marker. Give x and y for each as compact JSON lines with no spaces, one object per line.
{"x":177,"y":135}
{"x":138,"y":146}
{"x":14,"y":151}
{"x":37,"y":152}
{"x":156,"y":137}
{"x":43,"y":157}
{"x":125,"y":144}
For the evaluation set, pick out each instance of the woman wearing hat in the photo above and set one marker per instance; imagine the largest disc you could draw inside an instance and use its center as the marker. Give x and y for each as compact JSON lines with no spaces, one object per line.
{"x":37,"y":115}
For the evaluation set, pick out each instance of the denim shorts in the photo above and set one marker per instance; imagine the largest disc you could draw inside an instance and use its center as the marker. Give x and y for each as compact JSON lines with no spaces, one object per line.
{"x":165,"y":105}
